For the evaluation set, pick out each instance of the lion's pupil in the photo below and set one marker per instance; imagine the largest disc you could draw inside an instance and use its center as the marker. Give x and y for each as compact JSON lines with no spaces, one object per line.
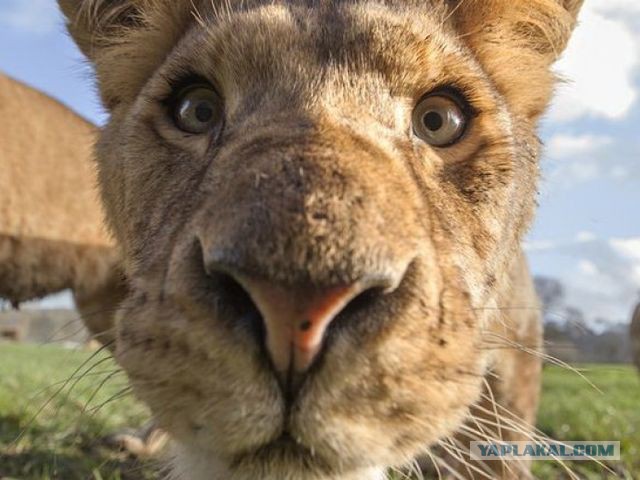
{"x":433,"y":121}
{"x":204,"y":113}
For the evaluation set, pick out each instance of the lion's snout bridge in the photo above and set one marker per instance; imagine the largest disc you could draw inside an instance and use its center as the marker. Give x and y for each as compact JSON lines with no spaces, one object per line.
{"x":308,"y":255}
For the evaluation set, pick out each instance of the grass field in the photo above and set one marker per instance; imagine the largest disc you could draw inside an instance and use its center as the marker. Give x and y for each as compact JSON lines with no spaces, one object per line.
{"x":49,"y":432}
{"x":59,"y":426}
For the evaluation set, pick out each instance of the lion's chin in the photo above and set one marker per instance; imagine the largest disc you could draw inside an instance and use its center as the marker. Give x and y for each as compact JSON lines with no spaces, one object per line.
{"x":281,"y":459}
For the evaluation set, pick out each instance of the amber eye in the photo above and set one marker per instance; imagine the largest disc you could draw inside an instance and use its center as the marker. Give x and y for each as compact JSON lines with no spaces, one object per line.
{"x":440,"y":119}
{"x":198,"y":109}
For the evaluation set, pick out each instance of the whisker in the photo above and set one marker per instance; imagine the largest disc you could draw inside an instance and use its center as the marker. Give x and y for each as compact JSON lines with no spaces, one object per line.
{"x":53,"y":385}
{"x":434,"y":462}
{"x":79,"y":378}
{"x":540,"y":435}
{"x":95,"y":392}
{"x":544,"y":356}
{"x":455,"y":453}
{"x":120,"y":394}
{"x":451,"y":470}
{"x":54,"y":395}
{"x":515,"y":428}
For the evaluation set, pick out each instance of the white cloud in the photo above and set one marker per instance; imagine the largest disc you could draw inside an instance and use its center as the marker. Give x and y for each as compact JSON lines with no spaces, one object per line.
{"x":601,"y":276}
{"x":587,"y":267}
{"x":566,"y":175}
{"x":618,"y":172}
{"x":585,"y":236}
{"x":539,"y":246}
{"x":600,"y":63}
{"x":33,"y":16}
{"x":562,"y":146}
{"x":615,"y":6}
{"x":573,"y":159}
{"x":629,"y":248}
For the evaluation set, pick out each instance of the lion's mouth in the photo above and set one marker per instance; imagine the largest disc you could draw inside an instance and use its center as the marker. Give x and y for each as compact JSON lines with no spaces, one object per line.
{"x":284,"y":447}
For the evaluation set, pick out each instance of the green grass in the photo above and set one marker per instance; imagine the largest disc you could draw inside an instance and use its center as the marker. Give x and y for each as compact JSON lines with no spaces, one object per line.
{"x":51,"y":432}
{"x":571,"y":409}
{"x":63,"y":441}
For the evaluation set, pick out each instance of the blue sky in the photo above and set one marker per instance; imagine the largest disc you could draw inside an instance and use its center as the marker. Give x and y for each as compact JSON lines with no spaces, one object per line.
{"x":587,"y":232}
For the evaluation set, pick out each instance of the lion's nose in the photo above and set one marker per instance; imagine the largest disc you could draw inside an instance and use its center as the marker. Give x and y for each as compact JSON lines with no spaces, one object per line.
{"x":296,"y":318}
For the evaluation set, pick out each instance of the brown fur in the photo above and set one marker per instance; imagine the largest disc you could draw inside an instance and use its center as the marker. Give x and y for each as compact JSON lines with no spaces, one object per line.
{"x":52,"y":234}
{"x":317,"y":180}
{"x":634,"y":332}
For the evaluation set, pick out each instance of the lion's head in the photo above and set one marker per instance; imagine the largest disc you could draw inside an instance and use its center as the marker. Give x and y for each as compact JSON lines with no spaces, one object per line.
{"x":316,"y":201}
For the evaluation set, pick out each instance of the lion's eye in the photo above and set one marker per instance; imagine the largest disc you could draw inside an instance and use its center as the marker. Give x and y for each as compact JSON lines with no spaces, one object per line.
{"x":198,"y":109}
{"x":440,"y":119}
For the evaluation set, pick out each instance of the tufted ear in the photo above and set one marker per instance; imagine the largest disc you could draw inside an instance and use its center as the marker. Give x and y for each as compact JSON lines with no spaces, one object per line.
{"x":516,"y":41}
{"x":125,"y":40}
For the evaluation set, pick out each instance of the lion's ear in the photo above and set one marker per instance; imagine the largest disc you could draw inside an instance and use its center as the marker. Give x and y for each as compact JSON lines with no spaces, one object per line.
{"x":95,"y":24}
{"x":125,"y":39}
{"x":573,"y":7}
{"x":517,"y":41}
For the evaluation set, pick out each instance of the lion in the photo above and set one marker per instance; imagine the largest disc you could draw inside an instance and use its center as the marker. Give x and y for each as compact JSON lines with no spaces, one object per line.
{"x":634,"y":335}
{"x":52,"y":233}
{"x":320,"y":206}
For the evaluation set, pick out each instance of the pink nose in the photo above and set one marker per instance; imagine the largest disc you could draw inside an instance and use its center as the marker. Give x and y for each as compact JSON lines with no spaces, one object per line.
{"x":296,"y":319}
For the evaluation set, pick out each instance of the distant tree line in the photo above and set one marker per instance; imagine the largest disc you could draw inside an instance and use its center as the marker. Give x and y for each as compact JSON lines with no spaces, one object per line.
{"x":571,"y":339}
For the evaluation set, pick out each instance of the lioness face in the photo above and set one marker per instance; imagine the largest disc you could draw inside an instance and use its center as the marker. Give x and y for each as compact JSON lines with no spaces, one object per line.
{"x":318,"y":203}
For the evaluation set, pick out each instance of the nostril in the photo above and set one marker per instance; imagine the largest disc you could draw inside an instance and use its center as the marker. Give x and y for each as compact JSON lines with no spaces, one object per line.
{"x":360,"y":309}
{"x":356,"y":311}
{"x":235,"y":299}
{"x":363,"y":301}
{"x":379,"y":286}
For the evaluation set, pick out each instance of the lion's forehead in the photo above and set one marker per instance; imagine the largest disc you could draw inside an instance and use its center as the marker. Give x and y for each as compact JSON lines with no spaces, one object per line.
{"x":295,"y":54}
